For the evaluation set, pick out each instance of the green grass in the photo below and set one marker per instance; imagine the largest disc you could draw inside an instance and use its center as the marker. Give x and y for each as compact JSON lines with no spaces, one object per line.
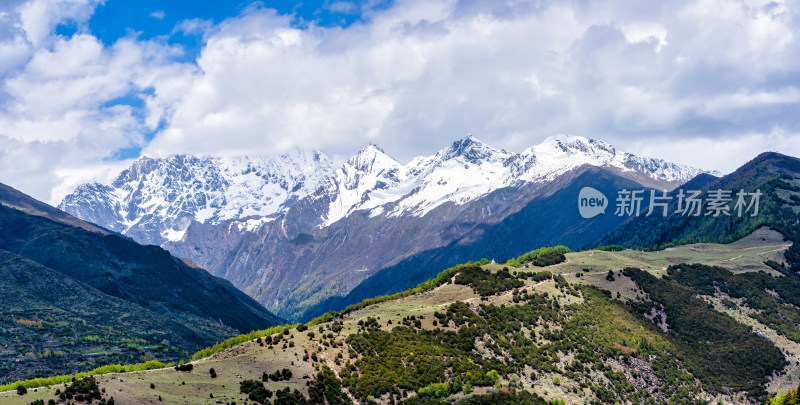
{"x":239,"y":340}
{"x":748,"y":254}
{"x":149,"y":365}
{"x":61,"y":379}
{"x":428,"y":285}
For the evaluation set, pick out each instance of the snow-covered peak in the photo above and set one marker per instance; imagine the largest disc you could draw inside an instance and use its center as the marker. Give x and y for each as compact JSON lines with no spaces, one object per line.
{"x":560,"y":153}
{"x":468,"y":169}
{"x":359,"y":183}
{"x":571,"y":145}
{"x":371,"y":158}
{"x":459,"y":172}
{"x":472,"y":150}
{"x":160,"y":197}
{"x":96,"y":203}
{"x":156,"y":199}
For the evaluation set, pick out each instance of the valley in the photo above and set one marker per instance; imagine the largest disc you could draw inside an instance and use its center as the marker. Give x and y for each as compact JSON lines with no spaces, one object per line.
{"x":554,"y":335}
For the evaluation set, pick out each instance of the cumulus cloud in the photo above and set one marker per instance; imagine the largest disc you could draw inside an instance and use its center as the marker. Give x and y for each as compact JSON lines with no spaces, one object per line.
{"x":72,"y":101}
{"x":38,"y":18}
{"x":703,"y":82}
{"x":422,"y":73}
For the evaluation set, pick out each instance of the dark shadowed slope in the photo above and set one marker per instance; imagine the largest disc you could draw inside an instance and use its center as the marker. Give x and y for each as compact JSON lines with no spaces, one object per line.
{"x":92,"y":296}
{"x":778,"y":178}
{"x":14,"y":198}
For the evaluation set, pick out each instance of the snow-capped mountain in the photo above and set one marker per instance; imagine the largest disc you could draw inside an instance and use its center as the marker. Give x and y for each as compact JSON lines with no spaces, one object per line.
{"x":155,"y":200}
{"x":561,"y":153}
{"x":469,"y":169}
{"x":298,"y":234}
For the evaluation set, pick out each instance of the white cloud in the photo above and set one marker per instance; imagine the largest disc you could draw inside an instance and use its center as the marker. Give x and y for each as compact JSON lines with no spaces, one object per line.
{"x":63,"y":108}
{"x":158,"y":14}
{"x":15,"y":53}
{"x":725,"y":154}
{"x":39,"y":18}
{"x":706,"y":82}
{"x":193,"y":26}
{"x":647,"y":33}
{"x":423,"y":73}
{"x":342,"y":7}
{"x":68,"y":177}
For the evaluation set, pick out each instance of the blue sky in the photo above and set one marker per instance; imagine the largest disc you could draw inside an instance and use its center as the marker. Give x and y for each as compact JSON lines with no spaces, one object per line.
{"x":156,"y":18}
{"x":88,"y":85}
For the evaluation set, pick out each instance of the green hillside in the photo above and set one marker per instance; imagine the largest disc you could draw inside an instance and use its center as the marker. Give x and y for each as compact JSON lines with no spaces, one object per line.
{"x":74,"y":297}
{"x":52,"y":324}
{"x":776,"y":176}
{"x":651,"y":330}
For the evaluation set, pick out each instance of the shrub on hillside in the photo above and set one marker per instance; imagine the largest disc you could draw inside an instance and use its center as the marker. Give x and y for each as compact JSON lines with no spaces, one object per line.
{"x":487,"y":283}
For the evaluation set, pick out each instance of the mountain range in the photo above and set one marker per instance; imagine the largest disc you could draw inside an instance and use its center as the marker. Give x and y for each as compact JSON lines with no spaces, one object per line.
{"x":297,"y":234}
{"x":155,"y":200}
{"x":603,"y":325}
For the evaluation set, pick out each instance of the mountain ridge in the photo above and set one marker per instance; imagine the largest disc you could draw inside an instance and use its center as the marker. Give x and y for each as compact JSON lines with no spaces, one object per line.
{"x":631,"y":326}
{"x":539,"y":220}
{"x":155,"y":200}
{"x":14,"y":198}
{"x":764,"y":173}
{"x":476,"y":334}
{"x":374,"y":212}
{"x":469,"y":169}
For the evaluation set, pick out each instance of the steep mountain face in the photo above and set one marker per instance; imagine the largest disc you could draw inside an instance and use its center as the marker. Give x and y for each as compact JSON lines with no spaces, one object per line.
{"x":155,"y":200}
{"x":470,"y":169}
{"x":549,"y":216}
{"x":73,"y":298}
{"x":373,"y":213}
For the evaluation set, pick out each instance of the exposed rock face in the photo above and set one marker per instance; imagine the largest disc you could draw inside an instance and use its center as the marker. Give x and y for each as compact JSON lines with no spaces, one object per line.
{"x":155,"y":200}
{"x":293,"y":231}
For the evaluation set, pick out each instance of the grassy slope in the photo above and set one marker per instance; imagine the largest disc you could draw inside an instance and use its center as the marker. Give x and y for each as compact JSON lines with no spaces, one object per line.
{"x":614,"y":326}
